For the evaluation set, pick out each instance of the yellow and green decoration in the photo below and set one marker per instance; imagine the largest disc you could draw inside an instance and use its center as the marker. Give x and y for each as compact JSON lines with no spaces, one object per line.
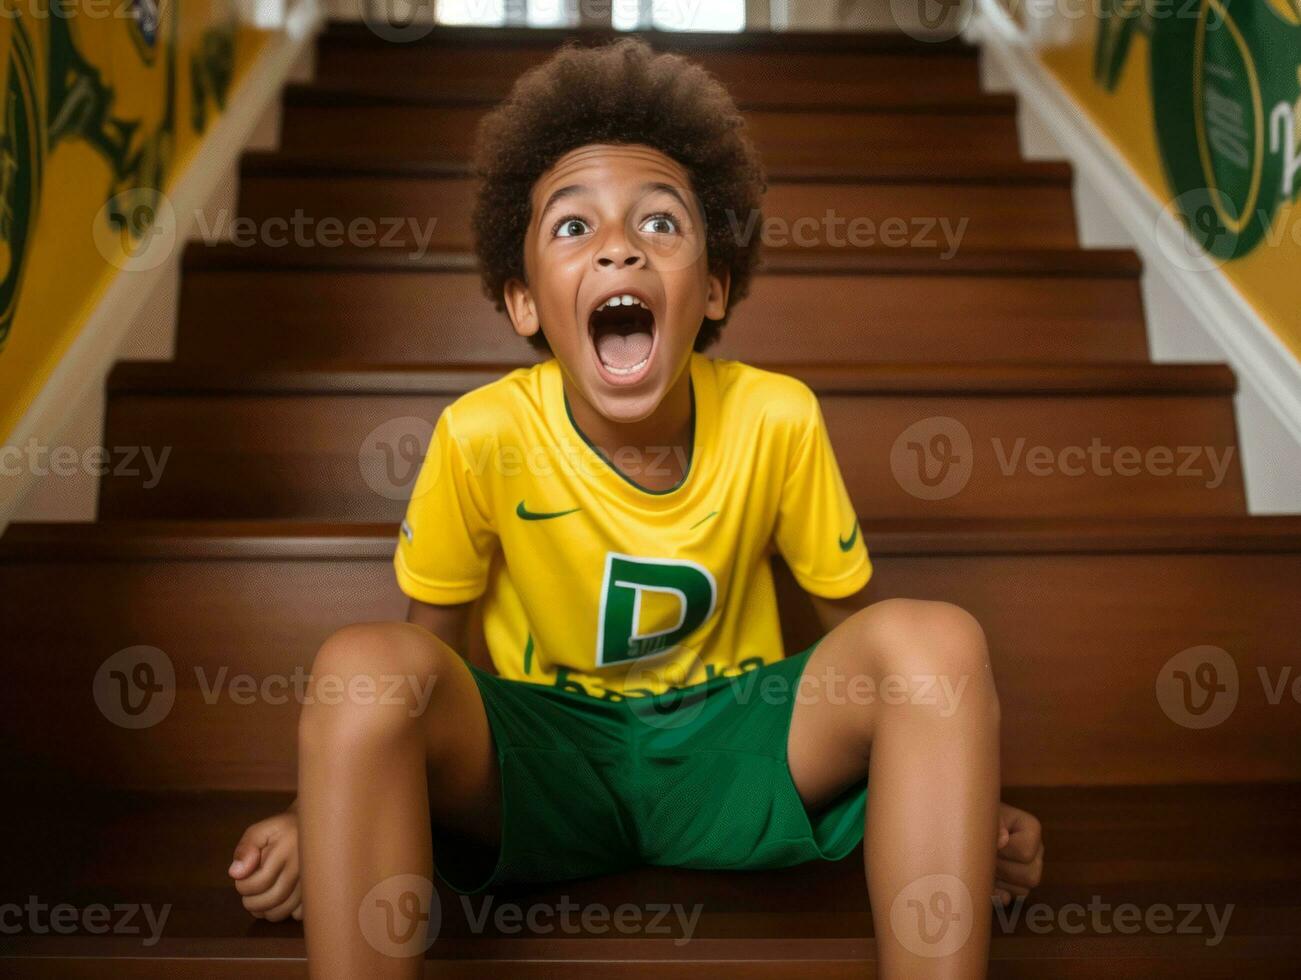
{"x":1226,"y":102}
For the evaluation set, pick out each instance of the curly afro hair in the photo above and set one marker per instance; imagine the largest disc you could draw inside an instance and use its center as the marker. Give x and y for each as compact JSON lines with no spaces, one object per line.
{"x":625,"y":93}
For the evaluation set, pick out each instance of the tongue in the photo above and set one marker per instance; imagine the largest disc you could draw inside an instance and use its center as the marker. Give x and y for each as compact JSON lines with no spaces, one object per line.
{"x":622,"y":351}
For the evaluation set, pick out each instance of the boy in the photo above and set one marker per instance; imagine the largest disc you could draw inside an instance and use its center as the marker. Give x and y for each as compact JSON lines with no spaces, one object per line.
{"x":616,"y":507}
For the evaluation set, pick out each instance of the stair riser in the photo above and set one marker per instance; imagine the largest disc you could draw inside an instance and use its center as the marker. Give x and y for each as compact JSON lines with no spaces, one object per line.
{"x":434,"y":213}
{"x":392,"y":317}
{"x":784,"y":138}
{"x":1078,"y":643}
{"x":318,"y":456}
{"x":806,"y":79}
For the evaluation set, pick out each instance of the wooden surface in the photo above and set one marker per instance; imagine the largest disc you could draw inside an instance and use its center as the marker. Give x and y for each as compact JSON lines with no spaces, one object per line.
{"x":243,"y":443}
{"x":338,"y":305}
{"x":1082,"y":615}
{"x":1145,"y":846}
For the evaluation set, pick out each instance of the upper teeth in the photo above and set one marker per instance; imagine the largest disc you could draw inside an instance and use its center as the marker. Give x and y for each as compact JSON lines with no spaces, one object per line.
{"x":624,"y":300}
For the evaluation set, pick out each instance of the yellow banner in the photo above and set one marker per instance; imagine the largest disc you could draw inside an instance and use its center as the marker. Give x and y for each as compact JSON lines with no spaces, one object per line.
{"x":1203,"y":97}
{"x":104,"y":102}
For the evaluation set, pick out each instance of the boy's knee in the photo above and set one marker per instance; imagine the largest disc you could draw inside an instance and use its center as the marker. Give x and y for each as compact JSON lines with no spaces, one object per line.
{"x":914,"y":637}
{"x":369,"y":681}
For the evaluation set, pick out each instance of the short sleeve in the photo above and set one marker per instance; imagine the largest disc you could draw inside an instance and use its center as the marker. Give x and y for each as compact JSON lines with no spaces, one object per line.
{"x":447,"y":540}
{"x":817,"y":530}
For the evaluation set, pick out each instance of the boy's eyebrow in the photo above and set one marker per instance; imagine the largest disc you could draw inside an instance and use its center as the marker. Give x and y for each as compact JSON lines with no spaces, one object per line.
{"x":657,"y":185}
{"x":568,"y":190}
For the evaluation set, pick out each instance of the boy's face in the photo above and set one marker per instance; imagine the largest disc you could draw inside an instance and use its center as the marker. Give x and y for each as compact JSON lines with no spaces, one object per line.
{"x":617,"y":221}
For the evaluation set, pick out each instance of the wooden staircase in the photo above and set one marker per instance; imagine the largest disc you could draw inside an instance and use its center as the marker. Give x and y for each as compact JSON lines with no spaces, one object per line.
{"x":266,"y":531}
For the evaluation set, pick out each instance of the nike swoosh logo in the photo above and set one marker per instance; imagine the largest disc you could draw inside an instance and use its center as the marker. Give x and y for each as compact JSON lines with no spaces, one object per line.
{"x":853,"y":536}
{"x":530,"y":515}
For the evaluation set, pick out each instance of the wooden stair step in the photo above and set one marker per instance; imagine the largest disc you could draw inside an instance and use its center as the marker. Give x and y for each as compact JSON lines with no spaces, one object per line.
{"x":815,"y":67}
{"x":1108,"y":847}
{"x":383,"y":125}
{"x":940,"y":208}
{"x":386,"y":306}
{"x":322,"y":444}
{"x":1082,"y":617}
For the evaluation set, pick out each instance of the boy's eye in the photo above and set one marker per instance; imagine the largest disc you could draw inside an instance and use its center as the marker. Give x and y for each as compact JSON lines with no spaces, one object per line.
{"x":660,"y":224}
{"x":569,"y":227}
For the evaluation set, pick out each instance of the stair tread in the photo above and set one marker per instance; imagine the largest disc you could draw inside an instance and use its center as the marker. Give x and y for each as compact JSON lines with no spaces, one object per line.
{"x":997,"y":379}
{"x":355,"y":33}
{"x":136,"y":539}
{"x":322,"y":163}
{"x":1140,"y":845}
{"x":334,"y":94}
{"x":1093,"y":262}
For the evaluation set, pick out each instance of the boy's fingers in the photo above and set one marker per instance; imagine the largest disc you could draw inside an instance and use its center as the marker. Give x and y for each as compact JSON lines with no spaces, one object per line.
{"x":247,"y":855}
{"x":1024,"y":873}
{"x":1022,"y":847}
{"x":298,"y":912}
{"x":282,"y":911}
{"x":273,"y":863}
{"x":1011,"y":889}
{"x":266,"y":901}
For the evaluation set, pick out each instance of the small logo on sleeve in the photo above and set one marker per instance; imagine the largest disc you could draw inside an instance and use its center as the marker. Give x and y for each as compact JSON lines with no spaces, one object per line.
{"x":407,"y":532}
{"x":847,"y":543}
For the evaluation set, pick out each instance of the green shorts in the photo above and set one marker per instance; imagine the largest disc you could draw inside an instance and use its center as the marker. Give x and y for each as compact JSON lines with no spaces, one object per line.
{"x":695,"y":778}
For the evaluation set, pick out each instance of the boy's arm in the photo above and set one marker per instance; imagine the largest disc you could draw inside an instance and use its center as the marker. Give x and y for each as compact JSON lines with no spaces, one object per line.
{"x":832,"y":612}
{"x":448,"y":623}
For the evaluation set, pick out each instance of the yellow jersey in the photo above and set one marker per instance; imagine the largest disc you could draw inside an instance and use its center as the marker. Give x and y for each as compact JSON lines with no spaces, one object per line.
{"x":598,"y":585}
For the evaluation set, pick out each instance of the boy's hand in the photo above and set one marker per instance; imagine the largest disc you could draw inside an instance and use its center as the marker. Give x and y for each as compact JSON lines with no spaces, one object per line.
{"x":265,"y":868}
{"x":1020,"y":854}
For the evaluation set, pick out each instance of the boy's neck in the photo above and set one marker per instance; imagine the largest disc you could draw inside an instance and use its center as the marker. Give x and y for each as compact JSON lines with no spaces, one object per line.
{"x":637,"y":448}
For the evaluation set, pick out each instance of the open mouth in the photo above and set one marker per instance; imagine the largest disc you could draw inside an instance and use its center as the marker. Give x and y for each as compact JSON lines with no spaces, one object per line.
{"x":623,"y":334}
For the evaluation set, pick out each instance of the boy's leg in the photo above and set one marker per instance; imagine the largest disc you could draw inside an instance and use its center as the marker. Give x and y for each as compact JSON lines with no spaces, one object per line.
{"x":393,"y":726}
{"x":922,"y":722}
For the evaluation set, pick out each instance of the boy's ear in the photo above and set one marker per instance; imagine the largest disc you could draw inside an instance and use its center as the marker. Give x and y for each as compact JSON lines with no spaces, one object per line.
{"x":716,"y":301}
{"x":519,"y":306}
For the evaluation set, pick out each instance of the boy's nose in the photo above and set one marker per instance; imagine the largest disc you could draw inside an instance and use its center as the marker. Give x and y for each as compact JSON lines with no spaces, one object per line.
{"x":618,"y":251}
